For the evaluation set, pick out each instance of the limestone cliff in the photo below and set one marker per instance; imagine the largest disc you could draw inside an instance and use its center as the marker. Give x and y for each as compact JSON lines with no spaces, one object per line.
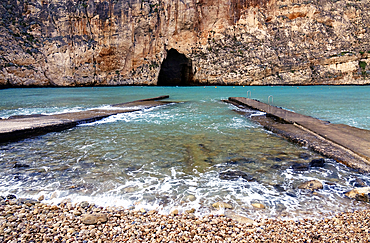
{"x":237,"y":42}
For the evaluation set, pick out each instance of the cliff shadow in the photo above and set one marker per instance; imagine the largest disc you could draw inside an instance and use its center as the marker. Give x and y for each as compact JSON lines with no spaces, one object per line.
{"x":176,"y":70}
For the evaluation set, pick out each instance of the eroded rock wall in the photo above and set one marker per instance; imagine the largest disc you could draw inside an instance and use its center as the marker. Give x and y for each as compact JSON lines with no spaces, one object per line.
{"x":237,"y":42}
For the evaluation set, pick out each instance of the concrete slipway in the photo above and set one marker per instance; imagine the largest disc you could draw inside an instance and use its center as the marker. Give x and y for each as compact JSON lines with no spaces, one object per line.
{"x":343,"y":143}
{"x":19,"y":127}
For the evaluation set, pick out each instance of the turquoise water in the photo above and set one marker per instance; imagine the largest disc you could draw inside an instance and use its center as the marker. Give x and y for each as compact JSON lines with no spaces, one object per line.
{"x":173,"y":156}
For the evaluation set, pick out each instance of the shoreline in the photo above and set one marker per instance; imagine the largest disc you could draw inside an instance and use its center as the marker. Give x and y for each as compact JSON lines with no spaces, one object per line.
{"x":179,"y":86}
{"x":28,"y":220}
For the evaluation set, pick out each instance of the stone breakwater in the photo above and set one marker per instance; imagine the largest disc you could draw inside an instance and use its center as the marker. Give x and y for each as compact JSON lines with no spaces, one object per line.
{"x":25,"y":220}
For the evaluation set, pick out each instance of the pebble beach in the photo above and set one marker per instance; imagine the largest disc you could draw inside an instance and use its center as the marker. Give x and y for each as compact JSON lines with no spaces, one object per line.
{"x":27,"y":220}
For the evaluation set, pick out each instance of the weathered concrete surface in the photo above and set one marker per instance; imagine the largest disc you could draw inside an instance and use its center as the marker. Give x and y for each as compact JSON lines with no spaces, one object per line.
{"x":20,"y":127}
{"x":346,"y":144}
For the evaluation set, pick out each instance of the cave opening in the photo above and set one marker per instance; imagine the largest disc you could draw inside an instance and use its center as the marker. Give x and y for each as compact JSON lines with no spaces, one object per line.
{"x":176,"y":70}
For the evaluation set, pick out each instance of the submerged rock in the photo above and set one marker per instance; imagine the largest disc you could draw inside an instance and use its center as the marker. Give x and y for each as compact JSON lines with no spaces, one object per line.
{"x":222,"y":205}
{"x":258,"y":205}
{"x":18,"y":165}
{"x":275,"y":167}
{"x":300,"y":167}
{"x":291,"y":193}
{"x":279,"y":188}
{"x":130,"y":189}
{"x":133,"y":168}
{"x":234,"y":175}
{"x":42,"y":197}
{"x":360,"y":183}
{"x":304,"y":156}
{"x":190,"y":198}
{"x":239,"y":161}
{"x":11,"y":196}
{"x":311,"y":185}
{"x":361,"y":194}
{"x":317,"y":163}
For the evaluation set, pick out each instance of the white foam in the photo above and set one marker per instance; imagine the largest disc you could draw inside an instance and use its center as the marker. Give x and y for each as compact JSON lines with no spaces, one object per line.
{"x":148,"y":115}
{"x":258,"y":113}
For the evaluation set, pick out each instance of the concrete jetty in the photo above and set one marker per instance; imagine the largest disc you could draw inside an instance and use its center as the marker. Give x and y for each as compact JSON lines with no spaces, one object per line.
{"x":343,"y":143}
{"x":19,"y":127}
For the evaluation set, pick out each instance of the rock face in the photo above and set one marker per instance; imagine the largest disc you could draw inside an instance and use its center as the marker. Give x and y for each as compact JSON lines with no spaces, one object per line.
{"x":238,"y":42}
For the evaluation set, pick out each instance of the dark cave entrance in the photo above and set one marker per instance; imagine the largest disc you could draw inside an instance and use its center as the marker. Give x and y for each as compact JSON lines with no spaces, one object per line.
{"x":176,"y":70}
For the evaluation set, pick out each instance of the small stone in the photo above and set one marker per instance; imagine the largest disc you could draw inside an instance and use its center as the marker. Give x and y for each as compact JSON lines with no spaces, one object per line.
{"x":84,"y":204}
{"x":151,"y":212}
{"x":90,"y":219}
{"x":54,"y":207}
{"x":360,"y":193}
{"x":42,"y":197}
{"x":142,"y":210}
{"x":311,"y":185}
{"x":241,"y":219}
{"x":258,"y":205}
{"x":174,"y":212}
{"x":190,"y":210}
{"x":11,"y":196}
{"x":222,"y":205}
{"x":190,"y":198}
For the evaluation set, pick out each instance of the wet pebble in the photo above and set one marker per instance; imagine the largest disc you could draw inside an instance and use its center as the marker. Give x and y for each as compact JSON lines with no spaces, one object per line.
{"x":221,"y":205}
{"x":190,"y":198}
{"x":123,"y":225}
{"x":360,"y":193}
{"x":89,"y":219}
{"x":258,"y":205}
{"x":311,"y":185}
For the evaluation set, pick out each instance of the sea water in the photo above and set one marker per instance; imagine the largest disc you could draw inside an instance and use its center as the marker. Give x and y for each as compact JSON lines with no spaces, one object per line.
{"x":174,"y":156}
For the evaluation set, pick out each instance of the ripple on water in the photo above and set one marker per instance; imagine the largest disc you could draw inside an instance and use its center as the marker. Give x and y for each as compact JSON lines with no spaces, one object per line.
{"x":172,"y":157}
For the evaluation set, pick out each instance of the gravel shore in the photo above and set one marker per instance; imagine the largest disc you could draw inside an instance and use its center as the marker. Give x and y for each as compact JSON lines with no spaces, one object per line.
{"x":25,"y":220}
